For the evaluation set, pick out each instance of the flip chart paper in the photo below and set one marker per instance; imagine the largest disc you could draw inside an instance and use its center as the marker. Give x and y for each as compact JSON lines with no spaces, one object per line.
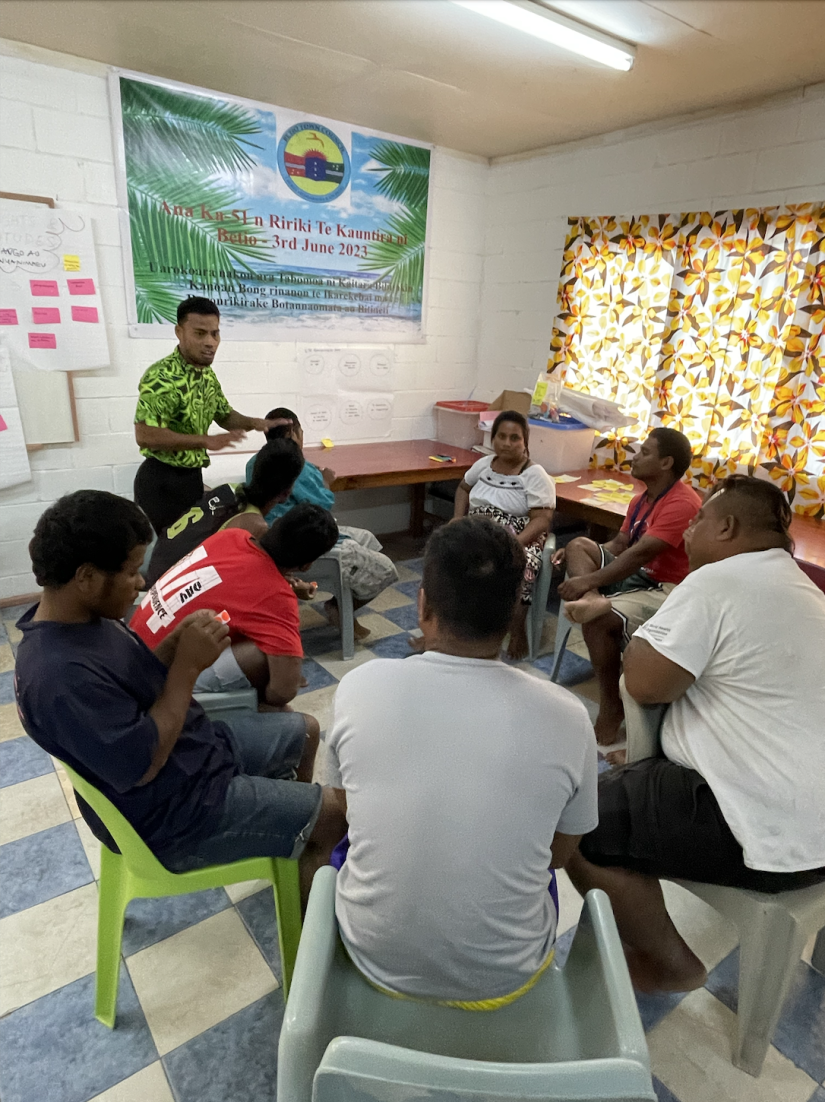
{"x":42,"y":340}
{"x":8,"y":317}
{"x":44,"y":288}
{"x":45,"y":315}
{"x":84,"y":313}
{"x":81,"y":286}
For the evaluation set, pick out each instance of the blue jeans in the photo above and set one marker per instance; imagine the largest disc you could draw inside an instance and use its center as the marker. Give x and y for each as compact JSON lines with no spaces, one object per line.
{"x":265,"y":812}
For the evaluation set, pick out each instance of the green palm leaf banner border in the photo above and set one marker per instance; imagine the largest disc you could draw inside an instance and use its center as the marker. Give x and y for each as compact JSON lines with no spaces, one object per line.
{"x":300,"y":228}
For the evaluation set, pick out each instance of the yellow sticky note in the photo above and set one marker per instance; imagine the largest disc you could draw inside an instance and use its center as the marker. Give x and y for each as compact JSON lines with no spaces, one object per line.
{"x":71,"y":263}
{"x":327,"y":443}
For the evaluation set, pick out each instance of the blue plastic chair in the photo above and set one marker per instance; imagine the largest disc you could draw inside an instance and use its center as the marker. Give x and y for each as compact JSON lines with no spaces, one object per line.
{"x":575,"y":1035}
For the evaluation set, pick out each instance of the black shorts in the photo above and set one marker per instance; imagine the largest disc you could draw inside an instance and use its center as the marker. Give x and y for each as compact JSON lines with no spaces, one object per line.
{"x":165,"y":492}
{"x":658,"y":818}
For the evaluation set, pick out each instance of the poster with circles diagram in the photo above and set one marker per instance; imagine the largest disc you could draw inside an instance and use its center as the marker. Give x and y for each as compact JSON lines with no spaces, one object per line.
{"x":347,"y":393}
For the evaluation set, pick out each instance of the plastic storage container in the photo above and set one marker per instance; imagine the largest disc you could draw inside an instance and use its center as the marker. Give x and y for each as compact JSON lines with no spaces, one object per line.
{"x":456,"y":423}
{"x":561,"y":446}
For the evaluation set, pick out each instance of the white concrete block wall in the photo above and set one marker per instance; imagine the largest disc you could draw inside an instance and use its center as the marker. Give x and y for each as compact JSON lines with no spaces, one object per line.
{"x":773,"y":153}
{"x":55,"y":140}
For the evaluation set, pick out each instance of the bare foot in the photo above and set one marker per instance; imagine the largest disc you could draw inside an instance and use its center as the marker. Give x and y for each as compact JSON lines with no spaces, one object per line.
{"x":587,"y":608}
{"x":416,"y":643}
{"x":616,"y":757}
{"x":652,"y":975}
{"x":608,"y":727}
{"x":334,"y":617}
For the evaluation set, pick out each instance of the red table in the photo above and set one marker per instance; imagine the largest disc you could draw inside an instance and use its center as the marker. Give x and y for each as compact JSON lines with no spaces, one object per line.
{"x":394,"y":463}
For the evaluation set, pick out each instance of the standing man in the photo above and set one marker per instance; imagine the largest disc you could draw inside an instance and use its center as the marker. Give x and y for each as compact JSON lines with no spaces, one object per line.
{"x":612,"y":588}
{"x":179,"y":398}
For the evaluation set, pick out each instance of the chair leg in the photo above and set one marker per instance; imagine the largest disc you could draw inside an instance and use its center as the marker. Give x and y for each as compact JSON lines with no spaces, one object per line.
{"x":288,"y":910}
{"x":347,"y":615}
{"x":768,"y":954}
{"x":112,"y":902}
{"x":818,"y":955}
{"x":562,"y":632}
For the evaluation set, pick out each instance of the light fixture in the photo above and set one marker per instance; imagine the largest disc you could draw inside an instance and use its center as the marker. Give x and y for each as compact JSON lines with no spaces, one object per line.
{"x":537,"y":20}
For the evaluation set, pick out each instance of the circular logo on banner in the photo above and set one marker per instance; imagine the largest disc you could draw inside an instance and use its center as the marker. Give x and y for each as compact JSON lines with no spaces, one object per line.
{"x":314,"y":162}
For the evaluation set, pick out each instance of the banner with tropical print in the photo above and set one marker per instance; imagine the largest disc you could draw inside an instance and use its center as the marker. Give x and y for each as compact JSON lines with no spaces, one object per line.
{"x":713,"y":324}
{"x":299,"y":228}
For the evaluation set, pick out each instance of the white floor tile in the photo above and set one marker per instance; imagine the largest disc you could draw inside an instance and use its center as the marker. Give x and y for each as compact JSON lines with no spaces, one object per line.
{"x":570,"y":902}
{"x":10,"y":725}
{"x":390,"y":598}
{"x":148,"y":1085}
{"x":237,"y":892}
{"x":405,"y":575}
{"x":378,"y":626}
{"x":6,"y":658}
{"x":47,"y":946}
{"x":197,"y":978}
{"x":317,"y":703}
{"x":311,"y":616}
{"x":690,"y":1051}
{"x":334,"y":664}
{"x":90,"y":845}
{"x":31,"y":806}
{"x":68,"y":791}
{"x":708,"y":933}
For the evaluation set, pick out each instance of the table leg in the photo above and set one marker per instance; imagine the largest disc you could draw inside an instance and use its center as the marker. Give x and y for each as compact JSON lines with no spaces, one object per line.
{"x":419,"y":494}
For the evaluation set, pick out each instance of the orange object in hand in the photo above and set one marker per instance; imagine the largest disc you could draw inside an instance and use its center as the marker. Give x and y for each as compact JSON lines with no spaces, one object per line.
{"x":223,"y":617}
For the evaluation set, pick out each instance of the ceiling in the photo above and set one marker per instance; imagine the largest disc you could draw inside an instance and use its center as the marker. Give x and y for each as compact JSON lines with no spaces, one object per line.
{"x":430,"y":70}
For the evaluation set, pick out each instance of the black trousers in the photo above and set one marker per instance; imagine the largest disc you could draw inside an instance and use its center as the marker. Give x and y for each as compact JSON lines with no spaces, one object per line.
{"x":165,"y":493}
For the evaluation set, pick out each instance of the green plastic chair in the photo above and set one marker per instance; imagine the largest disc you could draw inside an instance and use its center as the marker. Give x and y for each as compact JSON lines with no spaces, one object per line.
{"x":135,"y":873}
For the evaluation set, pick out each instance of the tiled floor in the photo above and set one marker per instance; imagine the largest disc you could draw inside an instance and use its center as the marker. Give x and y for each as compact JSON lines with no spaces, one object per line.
{"x":200,"y":1008}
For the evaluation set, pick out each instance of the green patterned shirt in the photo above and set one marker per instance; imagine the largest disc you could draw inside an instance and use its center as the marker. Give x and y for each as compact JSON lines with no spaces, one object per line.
{"x":175,"y":395}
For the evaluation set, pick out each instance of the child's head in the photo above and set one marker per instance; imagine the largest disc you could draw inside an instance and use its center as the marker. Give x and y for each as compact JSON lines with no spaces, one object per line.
{"x":93,"y":541}
{"x":297,"y":539}
{"x":292,"y":432}
{"x":277,"y":465}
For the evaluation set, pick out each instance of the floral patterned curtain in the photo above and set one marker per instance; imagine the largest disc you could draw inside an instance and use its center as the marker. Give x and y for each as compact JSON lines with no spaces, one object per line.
{"x":709,"y":323}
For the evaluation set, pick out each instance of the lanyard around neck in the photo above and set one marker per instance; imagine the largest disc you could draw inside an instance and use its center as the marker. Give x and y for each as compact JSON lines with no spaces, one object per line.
{"x":638,"y":524}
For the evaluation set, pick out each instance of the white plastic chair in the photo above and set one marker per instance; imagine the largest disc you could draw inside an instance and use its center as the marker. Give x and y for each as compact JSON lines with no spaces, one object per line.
{"x":327,"y":572}
{"x":773,"y":929}
{"x":541,"y":591}
{"x":575,"y":1035}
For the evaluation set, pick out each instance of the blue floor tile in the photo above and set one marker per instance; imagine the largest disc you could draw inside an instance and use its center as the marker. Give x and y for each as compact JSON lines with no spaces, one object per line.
{"x":237,"y":1059}
{"x":394,"y":646}
{"x":321,"y":640}
{"x":818,"y":1095}
{"x":56,"y":1051}
{"x":317,"y":677}
{"x":40,"y":867}
{"x":652,"y":1008}
{"x":415,"y":565}
{"x":7,"y":687}
{"x":573,"y":669}
{"x":152,"y":920}
{"x":258,"y":912}
{"x":405,"y":617}
{"x":800,"y":1032}
{"x":662,"y":1092}
{"x":409,"y":589}
{"x":21,"y":759}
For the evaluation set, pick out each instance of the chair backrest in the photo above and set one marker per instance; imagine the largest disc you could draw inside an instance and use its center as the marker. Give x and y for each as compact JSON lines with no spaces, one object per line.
{"x":136,"y":853}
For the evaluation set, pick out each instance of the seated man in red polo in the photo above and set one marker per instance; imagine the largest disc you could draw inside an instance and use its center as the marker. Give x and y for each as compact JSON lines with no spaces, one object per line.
{"x":613,"y":588}
{"x":234,"y":572}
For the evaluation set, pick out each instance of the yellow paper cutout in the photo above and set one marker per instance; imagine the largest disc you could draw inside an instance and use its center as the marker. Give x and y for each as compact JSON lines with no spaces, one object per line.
{"x":71,"y":263}
{"x":327,"y":443}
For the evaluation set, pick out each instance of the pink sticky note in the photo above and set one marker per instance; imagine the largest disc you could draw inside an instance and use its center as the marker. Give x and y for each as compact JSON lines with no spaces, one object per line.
{"x":45,"y":315}
{"x":42,"y":340}
{"x":3,"y":425}
{"x":81,"y":286}
{"x":8,"y":317}
{"x":84,"y":313}
{"x":44,"y":288}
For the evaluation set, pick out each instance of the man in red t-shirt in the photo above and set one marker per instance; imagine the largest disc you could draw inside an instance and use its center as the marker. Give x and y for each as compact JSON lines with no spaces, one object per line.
{"x":244,"y":576}
{"x":612,"y":588}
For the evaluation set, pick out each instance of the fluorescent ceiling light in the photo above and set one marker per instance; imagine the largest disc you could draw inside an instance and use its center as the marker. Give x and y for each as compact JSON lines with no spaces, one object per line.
{"x":569,"y":35}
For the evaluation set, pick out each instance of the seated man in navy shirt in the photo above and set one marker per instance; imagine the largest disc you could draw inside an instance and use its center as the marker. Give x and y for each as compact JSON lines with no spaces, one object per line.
{"x":91,"y":693}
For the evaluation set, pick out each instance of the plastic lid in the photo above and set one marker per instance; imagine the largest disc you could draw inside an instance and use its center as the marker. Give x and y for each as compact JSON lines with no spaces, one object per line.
{"x":565,"y":422}
{"x":464,"y":407}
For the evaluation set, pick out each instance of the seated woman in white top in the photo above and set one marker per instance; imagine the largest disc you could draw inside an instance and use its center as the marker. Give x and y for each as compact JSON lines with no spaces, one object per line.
{"x":512,"y":490}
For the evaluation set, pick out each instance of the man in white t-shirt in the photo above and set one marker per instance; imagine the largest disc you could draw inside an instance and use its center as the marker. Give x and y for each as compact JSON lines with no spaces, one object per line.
{"x":738,"y":797}
{"x":466,"y":780}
